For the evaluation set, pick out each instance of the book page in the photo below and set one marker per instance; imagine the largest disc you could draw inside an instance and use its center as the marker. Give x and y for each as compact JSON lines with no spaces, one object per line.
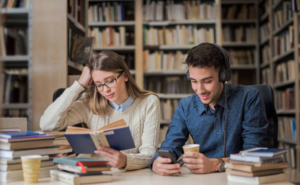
{"x":99,"y":139}
{"x":117,"y":124}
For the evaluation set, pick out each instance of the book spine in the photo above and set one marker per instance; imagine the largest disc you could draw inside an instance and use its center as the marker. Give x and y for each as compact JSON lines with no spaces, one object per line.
{"x":61,"y":176}
{"x":70,"y":168}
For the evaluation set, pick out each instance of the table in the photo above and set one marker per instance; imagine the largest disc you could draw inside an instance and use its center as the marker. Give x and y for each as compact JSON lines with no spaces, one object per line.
{"x":147,"y":177}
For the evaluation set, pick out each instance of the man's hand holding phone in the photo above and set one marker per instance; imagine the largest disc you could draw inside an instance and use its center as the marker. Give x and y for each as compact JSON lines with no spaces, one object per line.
{"x":166,"y":164}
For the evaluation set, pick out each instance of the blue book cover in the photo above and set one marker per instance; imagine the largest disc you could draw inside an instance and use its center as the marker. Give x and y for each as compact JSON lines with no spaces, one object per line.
{"x":118,"y":139}
{"x":19,"y":134}
{"x":266,"y":152}
{"x":76,"y":161}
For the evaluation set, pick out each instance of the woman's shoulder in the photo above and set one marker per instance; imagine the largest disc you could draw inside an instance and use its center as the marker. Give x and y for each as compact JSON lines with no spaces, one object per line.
{"x":150,"y":99}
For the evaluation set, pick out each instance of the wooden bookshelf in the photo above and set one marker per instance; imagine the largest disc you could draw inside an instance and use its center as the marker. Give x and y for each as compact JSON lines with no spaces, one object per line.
{"x":18,"y":18}
{"x":51,"y":24}
{"x":292,"y":54}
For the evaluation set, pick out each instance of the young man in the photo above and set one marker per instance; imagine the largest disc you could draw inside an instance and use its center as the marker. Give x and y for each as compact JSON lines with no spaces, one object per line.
{"x":201,"y":116}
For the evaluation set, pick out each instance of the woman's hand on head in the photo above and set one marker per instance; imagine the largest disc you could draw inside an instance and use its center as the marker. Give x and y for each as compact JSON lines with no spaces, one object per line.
{"x":85,"y":77}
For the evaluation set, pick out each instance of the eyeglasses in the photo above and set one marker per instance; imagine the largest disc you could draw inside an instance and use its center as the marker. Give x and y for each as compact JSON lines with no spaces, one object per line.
{"x":109,"y":84}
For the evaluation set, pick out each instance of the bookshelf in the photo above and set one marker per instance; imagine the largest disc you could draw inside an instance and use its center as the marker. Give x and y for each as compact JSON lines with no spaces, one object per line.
{"x":55,"y":25}
{"x":238,"y":38}
{"x":283,"y":71}
{"x":17,"y":56}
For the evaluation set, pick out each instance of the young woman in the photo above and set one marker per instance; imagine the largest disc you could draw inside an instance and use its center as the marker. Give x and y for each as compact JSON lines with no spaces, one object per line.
{"x":112,"y":94}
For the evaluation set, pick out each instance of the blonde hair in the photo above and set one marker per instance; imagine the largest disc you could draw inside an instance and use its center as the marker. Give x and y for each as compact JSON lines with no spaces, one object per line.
{"x":112,"y":62}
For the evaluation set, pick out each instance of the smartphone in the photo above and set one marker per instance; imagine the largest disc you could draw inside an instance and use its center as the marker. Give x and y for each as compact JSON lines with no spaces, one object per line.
{"x":167,"y":154}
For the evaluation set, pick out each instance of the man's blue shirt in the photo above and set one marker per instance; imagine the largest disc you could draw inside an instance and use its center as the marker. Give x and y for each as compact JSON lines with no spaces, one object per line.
{"x":245,"y":122}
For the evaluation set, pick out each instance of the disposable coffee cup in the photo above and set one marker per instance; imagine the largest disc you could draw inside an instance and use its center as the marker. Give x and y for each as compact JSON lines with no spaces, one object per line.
{"x":191,"y":148}
{"x":31,"y":168}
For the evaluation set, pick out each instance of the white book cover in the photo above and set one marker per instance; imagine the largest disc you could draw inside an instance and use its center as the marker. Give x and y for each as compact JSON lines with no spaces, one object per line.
{"x":77,"y":180}
{"x":257,"y":180}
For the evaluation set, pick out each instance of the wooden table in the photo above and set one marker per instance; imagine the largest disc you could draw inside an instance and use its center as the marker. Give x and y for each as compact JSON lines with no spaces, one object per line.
{"x":146,"y":177}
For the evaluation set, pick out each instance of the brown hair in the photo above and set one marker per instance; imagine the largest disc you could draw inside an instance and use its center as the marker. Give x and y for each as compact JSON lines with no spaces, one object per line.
{"x":111,"y":61}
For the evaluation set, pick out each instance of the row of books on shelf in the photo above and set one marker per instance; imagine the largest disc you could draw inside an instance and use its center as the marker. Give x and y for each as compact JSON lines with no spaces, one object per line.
{"x":14,"y":88}
{"x":242,"y":57}
{"x":284,"y":100}
{"x":290,"y":157}
{"x":257,"y":166}
{"x":266,"y":54}
{"x":187,"y":10}
{"x":164,"y":61}
{"x":15,"y":113}
{"x":265,"y":76}
{"x":283,"y":15}
{"x":14,"y":41}
{"x":242,"y":12}
{"x":107,"y":12}
{"x":264,"y":8}
{"x":111,"y":36}
{"x":287,"y":128}
{"x":239,"y":34}
{"x":178,"y":35}
{"x":264,"y":31}
{"x":285,"y":71}
{"x":168,"y":108}
{"x":15,"y":4}
{"x":284,"y":42}
{"x":169,"y":85}
{"x":76,"y":9}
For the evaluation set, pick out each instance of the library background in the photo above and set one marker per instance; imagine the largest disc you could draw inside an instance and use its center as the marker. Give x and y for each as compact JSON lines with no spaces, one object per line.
{"x":153,"y":37}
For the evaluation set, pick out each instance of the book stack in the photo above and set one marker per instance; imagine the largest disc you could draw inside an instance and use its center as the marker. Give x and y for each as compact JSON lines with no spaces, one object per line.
{"x":81,"y":170}
{"x":16,"y":144}
{"x":60,"y":140}
{"x":257,"y":166}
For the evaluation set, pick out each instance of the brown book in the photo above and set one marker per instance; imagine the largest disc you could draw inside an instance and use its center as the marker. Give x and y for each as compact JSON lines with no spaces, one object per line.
{"x":18,"y":166}
{"x":26,"y":144}
{"x":252,"y":168}
{"x":254,"y":174}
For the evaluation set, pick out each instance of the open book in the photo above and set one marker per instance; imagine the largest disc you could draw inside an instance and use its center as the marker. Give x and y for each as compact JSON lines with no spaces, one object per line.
{"x":116,"y":135}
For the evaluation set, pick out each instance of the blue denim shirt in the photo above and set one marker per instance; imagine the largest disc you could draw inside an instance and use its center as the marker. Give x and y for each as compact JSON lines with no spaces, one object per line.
{"x":245,"y":122}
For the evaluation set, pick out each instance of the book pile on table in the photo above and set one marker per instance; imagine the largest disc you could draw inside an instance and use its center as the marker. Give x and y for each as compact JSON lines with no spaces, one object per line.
{"x":257,"y":166}
{"x":59,"y":141}
{"x":81,"y":171}
{"x":16,"y":144}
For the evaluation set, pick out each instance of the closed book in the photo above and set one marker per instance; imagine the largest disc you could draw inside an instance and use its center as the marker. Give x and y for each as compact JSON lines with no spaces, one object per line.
{"x":115,"y":135}
{"x":27,"y":144}
{"x":80,"y":161}
{"x":19,"y":134}
{"x":40,"y":151}
{"x":249,"y":158}
{"x":265,"y":161}
{"x":76,"y":179}
{"x":254,"y":174}
{"x":18,"y":160}
{"x":256,"y":180}
{"x":252,"y":168}
{"x":9,"y":167}
{"x":83,"y":169}
{"x":263,"y":152}
{"x":83,"y":50}
{"x":17,"y":175}
{"x":27,"y":138}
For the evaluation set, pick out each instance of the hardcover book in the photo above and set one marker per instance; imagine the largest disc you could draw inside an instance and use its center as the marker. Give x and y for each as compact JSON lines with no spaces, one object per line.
{"x":115,"y":135}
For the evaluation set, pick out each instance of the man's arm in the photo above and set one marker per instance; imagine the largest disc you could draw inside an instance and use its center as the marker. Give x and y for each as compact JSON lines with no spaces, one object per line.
{"x":176,"y":136}
{"x":255,"y":123}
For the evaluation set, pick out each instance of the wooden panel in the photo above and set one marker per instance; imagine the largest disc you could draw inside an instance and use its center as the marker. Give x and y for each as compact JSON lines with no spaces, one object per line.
{"x":49,"y":53}
{"x":138,"y":29}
